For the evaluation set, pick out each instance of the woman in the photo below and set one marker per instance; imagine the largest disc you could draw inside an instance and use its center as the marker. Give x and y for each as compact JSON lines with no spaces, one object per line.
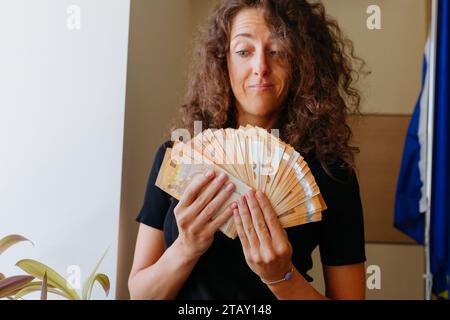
{"x":272,"y":64}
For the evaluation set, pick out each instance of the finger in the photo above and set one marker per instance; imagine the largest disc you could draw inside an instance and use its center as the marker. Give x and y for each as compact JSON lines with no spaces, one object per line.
{"x":276,"y":230}
{"x":240,"y":231}
{"x":259,"y":222}
{"x":194,"y":188}
{"x":213,"y":206}
{"x":219,"y":221}
{"x":247,"y":223}
{"x":205,"y":196}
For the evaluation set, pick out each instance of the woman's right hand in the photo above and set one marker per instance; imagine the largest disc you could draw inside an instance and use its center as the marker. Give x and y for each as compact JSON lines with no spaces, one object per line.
{"x":200,"y":201}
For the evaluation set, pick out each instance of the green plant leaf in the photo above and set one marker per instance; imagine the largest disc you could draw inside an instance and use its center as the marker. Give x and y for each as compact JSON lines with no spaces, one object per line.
{"x":10,"y":240}
{"x":38,"y":269}
{"x":44,"y":287}
{"x":37,"y":286}
{"x":11,"y":284}
{"x":103,"y":280}
{"x":89,"y":283}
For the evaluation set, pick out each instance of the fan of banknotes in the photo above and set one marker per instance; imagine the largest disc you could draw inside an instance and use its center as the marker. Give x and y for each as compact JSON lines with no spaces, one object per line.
{"x":252,"y":158}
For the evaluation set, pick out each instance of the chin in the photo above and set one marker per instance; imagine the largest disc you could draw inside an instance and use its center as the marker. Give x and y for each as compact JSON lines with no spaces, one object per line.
{"x":262,"y":110}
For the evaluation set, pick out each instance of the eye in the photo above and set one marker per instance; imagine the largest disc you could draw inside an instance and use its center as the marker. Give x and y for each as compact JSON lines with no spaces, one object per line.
{"x":242,"y":53}
{"x":277,"y":53}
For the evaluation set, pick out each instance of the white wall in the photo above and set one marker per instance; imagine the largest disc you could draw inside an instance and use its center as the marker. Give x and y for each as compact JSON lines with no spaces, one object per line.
{"x":61,"y":132}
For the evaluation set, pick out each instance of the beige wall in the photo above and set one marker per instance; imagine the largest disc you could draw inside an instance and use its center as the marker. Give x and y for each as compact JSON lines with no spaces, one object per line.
{"x":155,"y":85}
{"x":160,"y":45}
{"x":393,"y":54}
{"x":161,"y":37}
{"x":381,"y":139}
{"x":401,"y":268}
{"x":199,"y":11}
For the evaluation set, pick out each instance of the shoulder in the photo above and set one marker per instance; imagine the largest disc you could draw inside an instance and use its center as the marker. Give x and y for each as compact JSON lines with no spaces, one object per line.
{"x":333,"y":174}
{"x":341,"y":231}
{"x":338,"y":185}
{"x":159,"y":157}
{"x":164,"y":146}
{"x":156,"y":201}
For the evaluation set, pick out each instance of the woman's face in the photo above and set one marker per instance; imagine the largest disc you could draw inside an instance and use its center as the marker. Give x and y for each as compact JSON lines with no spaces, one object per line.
{"x":258,"y":69}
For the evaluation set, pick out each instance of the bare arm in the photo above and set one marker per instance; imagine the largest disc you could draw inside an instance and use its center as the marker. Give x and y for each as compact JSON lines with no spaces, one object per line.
{"x":341,"y":283}
{"x":345,"y":282}
{"x":159,"y":274}
{"x":269,"y":254}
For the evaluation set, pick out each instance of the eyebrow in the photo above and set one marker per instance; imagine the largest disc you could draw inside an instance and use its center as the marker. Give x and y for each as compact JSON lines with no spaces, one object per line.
{"x":246,"y":35}
{"x":249,"y":35}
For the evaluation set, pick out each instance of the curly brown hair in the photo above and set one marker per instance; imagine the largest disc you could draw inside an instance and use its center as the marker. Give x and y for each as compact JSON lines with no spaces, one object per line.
{"x":321,"y":93}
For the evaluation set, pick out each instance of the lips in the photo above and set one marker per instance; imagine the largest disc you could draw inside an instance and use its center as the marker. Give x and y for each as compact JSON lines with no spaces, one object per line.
{"x":261,"y":86}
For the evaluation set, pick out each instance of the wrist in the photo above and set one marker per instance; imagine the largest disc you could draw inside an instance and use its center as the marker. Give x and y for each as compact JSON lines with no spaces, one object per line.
{"x":286,"y":277}
{"x":184,"y":252}
{"x":296,"y":288}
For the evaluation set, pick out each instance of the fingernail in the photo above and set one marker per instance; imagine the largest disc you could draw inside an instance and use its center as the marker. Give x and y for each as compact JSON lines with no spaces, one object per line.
{"x":229,"y":186}
{"x":233,"y":205}
{"x":221,"y":176}
{"x":209,"y":173}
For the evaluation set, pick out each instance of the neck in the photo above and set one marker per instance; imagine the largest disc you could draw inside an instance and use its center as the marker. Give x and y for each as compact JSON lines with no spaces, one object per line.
{"x":267,"y":122}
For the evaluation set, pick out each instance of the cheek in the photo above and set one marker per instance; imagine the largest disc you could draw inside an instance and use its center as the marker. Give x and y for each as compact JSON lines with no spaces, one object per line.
{"x":238,"y":73}
{"x":238,"y":78}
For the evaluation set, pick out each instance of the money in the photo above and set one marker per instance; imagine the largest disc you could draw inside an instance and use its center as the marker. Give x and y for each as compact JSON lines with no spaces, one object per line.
{"x":252,"y":158}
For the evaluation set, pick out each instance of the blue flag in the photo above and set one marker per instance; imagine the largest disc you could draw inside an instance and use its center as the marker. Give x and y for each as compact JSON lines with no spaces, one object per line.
{"x":410,"y":202}
{"x":440,"y":199}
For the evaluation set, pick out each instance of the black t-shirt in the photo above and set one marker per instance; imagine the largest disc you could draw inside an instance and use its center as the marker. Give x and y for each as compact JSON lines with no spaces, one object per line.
{"x":222,"y":272}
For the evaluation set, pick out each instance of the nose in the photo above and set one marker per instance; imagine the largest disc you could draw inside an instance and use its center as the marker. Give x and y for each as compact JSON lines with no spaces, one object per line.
{"x":260,"y":66}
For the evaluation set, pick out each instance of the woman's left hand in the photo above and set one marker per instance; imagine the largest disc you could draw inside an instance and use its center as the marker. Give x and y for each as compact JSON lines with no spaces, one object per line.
{"x":265,"y":243}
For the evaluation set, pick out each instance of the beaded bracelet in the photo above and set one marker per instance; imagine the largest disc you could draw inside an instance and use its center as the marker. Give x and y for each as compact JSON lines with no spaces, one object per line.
{"x":288,"y":276}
